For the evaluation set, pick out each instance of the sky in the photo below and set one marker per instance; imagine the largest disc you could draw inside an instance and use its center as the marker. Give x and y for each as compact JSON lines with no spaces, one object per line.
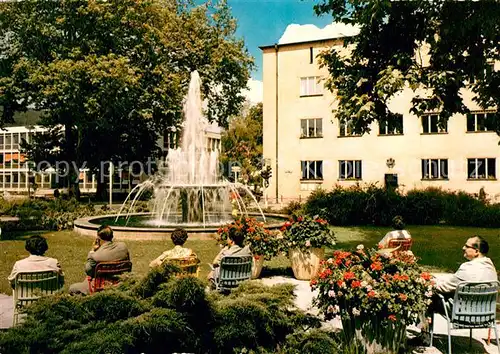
{"x":263,"y":22}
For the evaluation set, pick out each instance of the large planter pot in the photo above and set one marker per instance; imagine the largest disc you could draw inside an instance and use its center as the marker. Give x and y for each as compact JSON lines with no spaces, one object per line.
{"x":375,"y":338}
{"x":305,"y":265}
{"x":257,"y":264}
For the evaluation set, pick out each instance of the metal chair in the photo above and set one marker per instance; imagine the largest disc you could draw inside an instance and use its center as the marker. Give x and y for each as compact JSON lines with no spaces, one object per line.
{"x":30,"y":286}
{"x":106,"y":274}
{"x":403,"y":244}
{"x":233,"y":271}
{"x":473,"y":306}
{"x":188,"y":265}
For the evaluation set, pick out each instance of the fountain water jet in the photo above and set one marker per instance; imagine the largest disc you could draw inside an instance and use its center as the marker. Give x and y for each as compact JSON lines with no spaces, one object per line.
{"x":190,"y":192}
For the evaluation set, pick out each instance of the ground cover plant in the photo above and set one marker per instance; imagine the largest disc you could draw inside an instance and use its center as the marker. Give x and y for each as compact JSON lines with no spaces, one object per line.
{"x":160,"y":312}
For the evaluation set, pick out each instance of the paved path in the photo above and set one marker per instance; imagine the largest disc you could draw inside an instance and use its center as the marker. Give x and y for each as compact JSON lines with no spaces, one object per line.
{"x":6,"y":311}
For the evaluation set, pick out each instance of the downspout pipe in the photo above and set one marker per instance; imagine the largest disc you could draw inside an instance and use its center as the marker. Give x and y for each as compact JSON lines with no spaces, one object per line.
{"x":276,"y":170}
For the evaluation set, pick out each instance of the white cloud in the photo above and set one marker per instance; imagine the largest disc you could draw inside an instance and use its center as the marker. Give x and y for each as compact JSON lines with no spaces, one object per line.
{"x":302,"y":33}
{"x":255,"y":92}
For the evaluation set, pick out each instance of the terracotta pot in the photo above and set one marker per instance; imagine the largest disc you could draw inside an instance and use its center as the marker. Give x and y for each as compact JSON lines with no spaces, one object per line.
{"x":257,"y":264}
{"x":305,"y":265}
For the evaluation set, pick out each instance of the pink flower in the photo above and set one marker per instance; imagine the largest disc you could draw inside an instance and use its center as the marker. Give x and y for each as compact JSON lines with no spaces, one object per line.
{"x":308,"y":243}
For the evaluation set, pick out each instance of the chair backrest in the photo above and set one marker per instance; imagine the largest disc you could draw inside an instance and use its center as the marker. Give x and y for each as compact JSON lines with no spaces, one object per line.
{"x":106,"y":271}
{"x":474,"y":304}
{"x":189,"y":265}
{"x":404,"y":244}
{"x":29,"y":286}
{"x":233,"y":271}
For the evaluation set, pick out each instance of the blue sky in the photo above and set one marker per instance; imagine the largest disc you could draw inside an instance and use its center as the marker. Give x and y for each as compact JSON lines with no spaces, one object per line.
{"x":262,"y":22}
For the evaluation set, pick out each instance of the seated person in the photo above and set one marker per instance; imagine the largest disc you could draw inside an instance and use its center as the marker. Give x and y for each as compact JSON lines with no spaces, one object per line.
{"x":397,"y":234}
{"x":477,"y":268}
{"x":178,"y":237}
{"x":103,"y":250}
{"x":36,"y":246}
{"x":235,"y":247}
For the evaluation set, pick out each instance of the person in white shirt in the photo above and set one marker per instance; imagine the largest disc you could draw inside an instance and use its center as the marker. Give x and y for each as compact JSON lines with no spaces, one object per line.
{"x":478,"y":268}
{"x":397,"y":234}
{"x":36,"y":246}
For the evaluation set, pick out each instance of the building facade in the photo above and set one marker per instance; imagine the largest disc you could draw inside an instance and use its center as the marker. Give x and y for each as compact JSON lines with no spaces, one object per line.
{"x":16,"y":170}
{"x":307,"y":148}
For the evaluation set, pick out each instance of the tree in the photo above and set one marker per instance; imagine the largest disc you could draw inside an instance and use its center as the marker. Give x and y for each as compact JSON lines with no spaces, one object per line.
{"x":242,"y":144}
{"x":111,"y":75}
{"x":460,"y":37}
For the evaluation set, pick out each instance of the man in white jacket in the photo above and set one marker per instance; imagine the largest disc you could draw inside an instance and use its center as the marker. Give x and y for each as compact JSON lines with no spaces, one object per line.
{"x":478,"y":268}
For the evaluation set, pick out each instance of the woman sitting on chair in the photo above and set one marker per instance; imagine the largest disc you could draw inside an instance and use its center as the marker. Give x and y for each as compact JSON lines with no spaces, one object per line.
{"x":179,"y":237}
{"x":399,"y":233}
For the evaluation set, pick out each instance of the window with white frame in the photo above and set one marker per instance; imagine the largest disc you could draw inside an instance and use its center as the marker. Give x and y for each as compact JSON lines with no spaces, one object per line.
{"x":312,"y":170}
{"x":310,"y":86}
{"x":311,"y":128}
{"x":430,"y":124}
{"x":347,"y":129}
{"x":488,"y":68}
{"x":391,"y":128}
{"x":481,"y":168}
{"x":434,"y":168}
{"x":479,"y":121}
{"x":350,"y":169}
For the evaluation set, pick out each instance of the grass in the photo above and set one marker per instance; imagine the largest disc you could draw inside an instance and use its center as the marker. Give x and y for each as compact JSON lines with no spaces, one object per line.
{"x":439,"y":248}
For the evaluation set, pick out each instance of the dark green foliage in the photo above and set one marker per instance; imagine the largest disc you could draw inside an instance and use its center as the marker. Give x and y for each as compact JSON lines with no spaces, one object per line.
{"x":372,"y":205}
{"x":160,"y":313}
{"x":293,"y":208}
{"x":313,"y":342}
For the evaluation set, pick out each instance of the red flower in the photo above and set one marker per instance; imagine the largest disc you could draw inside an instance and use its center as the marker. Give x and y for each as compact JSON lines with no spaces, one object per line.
{"x":256,"y":257}
{"x":376,"y":266}
{"x":340,"y":283}
{"x":403,"y":297}
{"x":313,"y":282}
{"x":251,"y":229}
{"x":349,"y":275}
{"x":392,"y":318}
{"x":356,"y":284}
{"x":426,"y":276}
{"x":371,"y":293}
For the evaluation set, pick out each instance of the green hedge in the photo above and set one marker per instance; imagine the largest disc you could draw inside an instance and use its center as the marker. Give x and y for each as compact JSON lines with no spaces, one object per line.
{"x":373,"y":205}
{"x":161,"y":313}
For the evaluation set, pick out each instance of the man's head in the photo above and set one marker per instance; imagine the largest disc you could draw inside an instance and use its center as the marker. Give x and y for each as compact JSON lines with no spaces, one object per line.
{"x":475,"y":247}
{"x":237,"y":237}
{"x":36,"y":245}
{"x":105,"y":233}
{"x":179,"y":237}
{"x":398,"y":222}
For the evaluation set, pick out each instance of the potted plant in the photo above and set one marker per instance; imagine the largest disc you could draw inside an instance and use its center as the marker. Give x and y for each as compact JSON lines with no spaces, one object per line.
{"x":305,"y":238}
{"x":375,"y":294}
{"x":262,"y":242}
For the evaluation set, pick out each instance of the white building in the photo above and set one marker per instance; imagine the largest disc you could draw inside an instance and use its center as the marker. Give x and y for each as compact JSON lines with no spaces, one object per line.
{"x":307,"y":148}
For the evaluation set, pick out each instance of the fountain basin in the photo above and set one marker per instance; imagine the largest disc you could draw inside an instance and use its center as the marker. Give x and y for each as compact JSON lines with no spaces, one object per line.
{"x":89,"y":225}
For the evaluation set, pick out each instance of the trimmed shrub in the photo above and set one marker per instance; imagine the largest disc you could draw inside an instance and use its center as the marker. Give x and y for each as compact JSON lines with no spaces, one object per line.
{"x":373,"y":205}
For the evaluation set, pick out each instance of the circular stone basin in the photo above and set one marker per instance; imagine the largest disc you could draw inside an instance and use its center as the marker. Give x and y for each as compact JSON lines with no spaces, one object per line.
{"x":140,"y":226}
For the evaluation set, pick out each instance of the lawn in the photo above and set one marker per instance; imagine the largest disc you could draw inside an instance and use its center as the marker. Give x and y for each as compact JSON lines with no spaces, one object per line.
{"x":438,"y":247}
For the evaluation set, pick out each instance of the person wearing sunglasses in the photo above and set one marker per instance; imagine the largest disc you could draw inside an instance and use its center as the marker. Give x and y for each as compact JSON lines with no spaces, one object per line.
{"x":478,"y":267}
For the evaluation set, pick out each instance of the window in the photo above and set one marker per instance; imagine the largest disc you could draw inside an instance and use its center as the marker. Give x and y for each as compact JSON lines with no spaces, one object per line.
{"x":484,"y":168}
{"x":311,"y":169}
{"x":15,"y":141}
{"x":479,"y":122}
{"x":391,"y":128}
{"x":434,"y":168}
{"x":430,"y":124}
{"x":170,"y":140}
{"x":347,"y":129}
{"x":311,"y":55}
{"x":311,"y":128}
{"x":350,"y":169}
{"x":310,"y":86}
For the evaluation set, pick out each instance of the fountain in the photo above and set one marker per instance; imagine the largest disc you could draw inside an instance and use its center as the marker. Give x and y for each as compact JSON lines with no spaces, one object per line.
{"x":187,"y":191}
